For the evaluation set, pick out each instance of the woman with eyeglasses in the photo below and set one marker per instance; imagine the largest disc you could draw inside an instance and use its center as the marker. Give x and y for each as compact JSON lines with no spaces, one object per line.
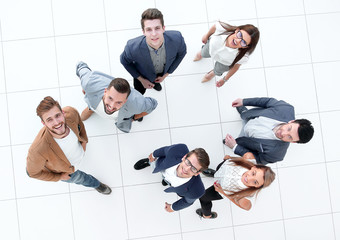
{"x":237,"y":179}
{"x":229,"y":46}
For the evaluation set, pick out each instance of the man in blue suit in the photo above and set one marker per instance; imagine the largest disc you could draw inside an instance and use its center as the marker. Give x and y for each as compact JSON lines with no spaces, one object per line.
{"x":268,"y":129}
{"x":152,"y":57}
{"x":180,"y":169}
{"x":112,"y":98}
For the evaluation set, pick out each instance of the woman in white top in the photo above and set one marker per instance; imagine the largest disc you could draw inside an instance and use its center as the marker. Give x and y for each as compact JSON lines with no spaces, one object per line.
{"x":229,"y":46}
{"x":237,"y":179}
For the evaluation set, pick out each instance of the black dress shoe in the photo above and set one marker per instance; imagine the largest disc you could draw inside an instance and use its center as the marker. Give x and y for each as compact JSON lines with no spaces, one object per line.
{"x":140,"y":119}
{"x":199,"y":212}
{"x":164,"y":183}
{"x":209,"y":172}
{"x":157,"y":86}
{"x":241,"y":109}
{"x":143,"y":163}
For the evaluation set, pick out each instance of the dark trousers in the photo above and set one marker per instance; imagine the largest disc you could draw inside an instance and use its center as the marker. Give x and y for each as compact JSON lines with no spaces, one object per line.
{"x":139,"y":86}
{"x":209,"y":196}
{"x":205,"y":200}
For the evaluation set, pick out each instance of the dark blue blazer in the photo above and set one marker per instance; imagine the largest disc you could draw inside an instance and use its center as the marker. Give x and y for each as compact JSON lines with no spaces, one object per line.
{"x":265,"y":150}
{"x":189,"y":191}
{"x":136,"y":56}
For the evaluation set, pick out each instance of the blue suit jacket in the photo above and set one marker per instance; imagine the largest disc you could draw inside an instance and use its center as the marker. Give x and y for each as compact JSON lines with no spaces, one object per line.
{"x":265,"y":150}
{"x":136,"y":56}
{"x":94,"y":84}
{"x":189,"y":191}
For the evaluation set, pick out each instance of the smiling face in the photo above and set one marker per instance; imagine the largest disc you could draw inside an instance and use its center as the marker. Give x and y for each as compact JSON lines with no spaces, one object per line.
{"x":188,"y":167}
{"x":288,"y":132}
{"x":253,"y":177}
{"x":113,"y":100}
{"x":54,"y":120}
{"x":235,"y":40}
{"x":153,"y":31}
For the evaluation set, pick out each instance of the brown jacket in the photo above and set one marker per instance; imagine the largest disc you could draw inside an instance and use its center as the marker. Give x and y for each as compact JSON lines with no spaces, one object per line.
{"x":46,"y":161}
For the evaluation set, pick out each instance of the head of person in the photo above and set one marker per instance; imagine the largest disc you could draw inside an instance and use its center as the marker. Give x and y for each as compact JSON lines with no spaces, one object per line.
{"x":255,"y":178}
{"x":52,"y":116}
{"x":193,"y":163}
{"x":244,"y":38}
{"x":296,"y":131}
{"x":115,"y":95}
{"x":153,"y":27}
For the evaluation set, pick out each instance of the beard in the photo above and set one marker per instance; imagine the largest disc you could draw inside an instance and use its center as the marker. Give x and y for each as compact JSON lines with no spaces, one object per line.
{"x":107,"y":111}
{"x":57,"y":132}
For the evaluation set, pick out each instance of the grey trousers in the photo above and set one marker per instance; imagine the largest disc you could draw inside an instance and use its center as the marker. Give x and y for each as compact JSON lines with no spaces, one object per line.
{"x":219,"y":68}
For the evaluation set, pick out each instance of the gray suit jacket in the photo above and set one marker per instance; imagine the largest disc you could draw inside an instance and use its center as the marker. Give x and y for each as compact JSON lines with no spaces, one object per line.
{"x":265,"y":150}
{"x":94,"y":84}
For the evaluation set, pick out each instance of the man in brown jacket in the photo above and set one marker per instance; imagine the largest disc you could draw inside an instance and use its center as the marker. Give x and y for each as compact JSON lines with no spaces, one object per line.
{"x":58,"y":150}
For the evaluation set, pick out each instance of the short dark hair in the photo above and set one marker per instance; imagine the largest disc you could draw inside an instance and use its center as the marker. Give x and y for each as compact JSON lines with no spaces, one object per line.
{"x":45,"y":105}
{"x":305,"y":130}
{"x":121,"y":85}
{"x":151,"y":14}
{"x":202,"y":157}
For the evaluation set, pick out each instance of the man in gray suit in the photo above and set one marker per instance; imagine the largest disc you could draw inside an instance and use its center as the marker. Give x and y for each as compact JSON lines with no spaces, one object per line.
{"x":112,"y":98}
{"x":268,"y":129}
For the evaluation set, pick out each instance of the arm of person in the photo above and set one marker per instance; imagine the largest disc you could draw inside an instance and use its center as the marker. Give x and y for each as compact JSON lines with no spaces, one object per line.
{"x":174,"y":151}
{"x":161,"y":78}
{"x":36,"y":168}
{"x":145,"y":82}
{"x":263,"y":102}
{"x":230,"y":73}
{"x":248,"y":155}
{"x":242,"y":203}
{"x":82,"y":130}
{"x":127,"y":61}
{"x":211,"y":31}
{"x":146,"y":104}
{"x":182,"y":203}
{"x":181,"y":52}
{"x":261,"y":157}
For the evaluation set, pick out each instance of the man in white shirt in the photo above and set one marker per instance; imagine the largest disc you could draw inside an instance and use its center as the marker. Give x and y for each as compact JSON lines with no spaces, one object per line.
{"x":180,"y":169}
{"x":58,"y":150}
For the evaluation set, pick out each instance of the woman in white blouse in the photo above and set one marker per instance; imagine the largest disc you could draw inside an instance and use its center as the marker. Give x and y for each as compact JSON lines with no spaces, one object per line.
{"x":229,"y":46}
{"x":237,"y":179}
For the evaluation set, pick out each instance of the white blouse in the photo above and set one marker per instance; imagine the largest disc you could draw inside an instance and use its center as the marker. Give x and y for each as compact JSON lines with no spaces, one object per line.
{"x":219,"y":52}
{"x":229,"y":177}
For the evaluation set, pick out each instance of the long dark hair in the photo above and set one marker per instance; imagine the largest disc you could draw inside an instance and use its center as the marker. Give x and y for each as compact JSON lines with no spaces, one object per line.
{"x":268,"y":177}
{"x":253,"y":32}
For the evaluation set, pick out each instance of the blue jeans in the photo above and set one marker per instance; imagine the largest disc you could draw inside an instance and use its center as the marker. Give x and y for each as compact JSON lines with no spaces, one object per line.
{"x":87,"y":180}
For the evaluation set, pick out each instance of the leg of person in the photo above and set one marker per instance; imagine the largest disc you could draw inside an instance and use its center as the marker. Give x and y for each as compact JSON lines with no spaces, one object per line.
{"x":158,"y":86}
{"x":204,"y":53}
{"x":81,"y":69}
{"x":87,"y":180}
{"x":219,"y":69}
{"x":206,"y":204}
{"x":138,"y":86}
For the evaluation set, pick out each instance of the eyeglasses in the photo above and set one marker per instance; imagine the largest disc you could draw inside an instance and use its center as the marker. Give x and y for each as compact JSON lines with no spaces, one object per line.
{"x":240,"y":36}
{"x":192,"y":168}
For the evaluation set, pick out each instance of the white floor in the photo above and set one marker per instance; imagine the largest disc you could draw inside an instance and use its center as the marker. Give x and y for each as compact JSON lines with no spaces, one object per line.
{"x":296,"y":60}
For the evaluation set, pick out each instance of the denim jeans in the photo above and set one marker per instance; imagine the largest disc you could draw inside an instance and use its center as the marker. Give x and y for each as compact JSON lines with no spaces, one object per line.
{"x":87,"y":180}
